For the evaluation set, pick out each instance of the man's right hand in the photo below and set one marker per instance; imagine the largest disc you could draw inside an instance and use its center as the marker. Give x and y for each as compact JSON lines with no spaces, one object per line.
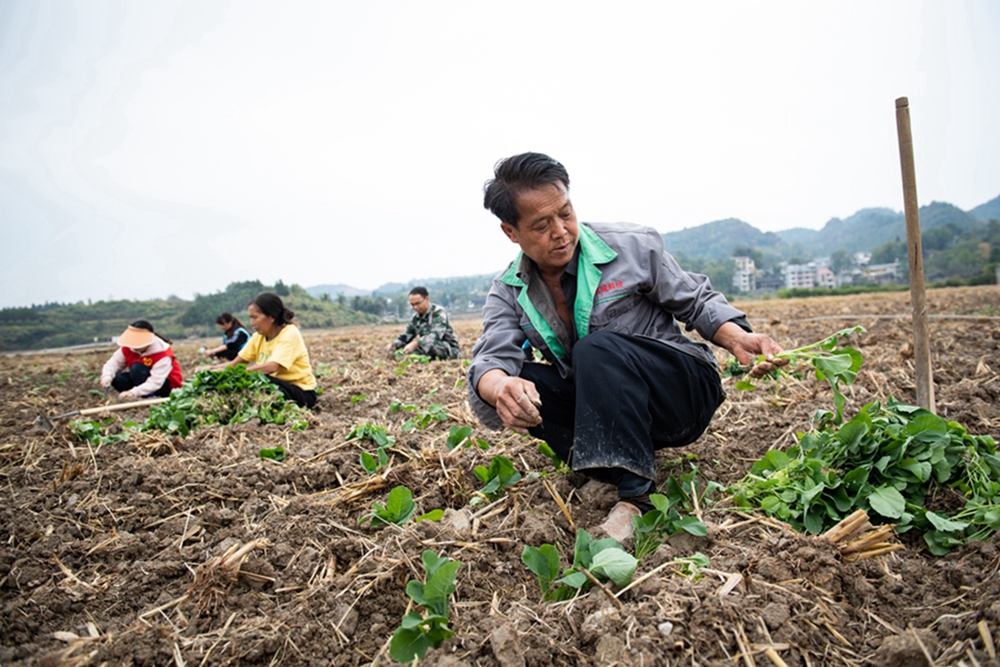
{"x":515,"y":399}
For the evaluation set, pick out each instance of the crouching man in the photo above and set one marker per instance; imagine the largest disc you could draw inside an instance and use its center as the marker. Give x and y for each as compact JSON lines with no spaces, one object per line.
{"x":602,"y":303}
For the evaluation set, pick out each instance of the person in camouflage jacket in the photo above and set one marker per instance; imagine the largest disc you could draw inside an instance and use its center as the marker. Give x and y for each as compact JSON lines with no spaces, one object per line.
{"x":429,"y":331}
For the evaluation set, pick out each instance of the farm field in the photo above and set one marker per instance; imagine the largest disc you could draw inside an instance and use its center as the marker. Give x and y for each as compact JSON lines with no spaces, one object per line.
{"x":100,"y":545}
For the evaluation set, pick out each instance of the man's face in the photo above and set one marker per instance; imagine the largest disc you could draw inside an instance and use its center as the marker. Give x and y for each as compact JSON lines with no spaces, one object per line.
{"x":420,"y":303}
{"x":546,"y":229}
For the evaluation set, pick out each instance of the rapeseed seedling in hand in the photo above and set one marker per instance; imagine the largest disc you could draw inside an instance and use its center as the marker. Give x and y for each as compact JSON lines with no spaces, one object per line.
{"x":837,"y":366}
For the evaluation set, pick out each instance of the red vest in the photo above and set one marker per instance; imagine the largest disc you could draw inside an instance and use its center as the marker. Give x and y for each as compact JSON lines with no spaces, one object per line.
{"x":149,"y":360}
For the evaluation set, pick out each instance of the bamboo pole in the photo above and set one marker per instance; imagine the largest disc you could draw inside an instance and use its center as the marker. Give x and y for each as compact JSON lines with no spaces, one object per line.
{"x":921,"y":337}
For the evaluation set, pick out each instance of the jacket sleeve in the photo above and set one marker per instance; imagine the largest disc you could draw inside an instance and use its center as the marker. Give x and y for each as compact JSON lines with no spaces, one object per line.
{"x":498,"y":348}
{"x":113,"y":365}
{"x":408,"y":335}
{"x":687,"y":296}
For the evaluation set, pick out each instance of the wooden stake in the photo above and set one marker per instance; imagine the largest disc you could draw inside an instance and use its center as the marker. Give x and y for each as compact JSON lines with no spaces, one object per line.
{"x":921,"y":338}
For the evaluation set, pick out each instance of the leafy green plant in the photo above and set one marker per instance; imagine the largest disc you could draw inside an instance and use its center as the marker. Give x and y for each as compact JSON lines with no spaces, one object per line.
{"x":499,"y":476}
{"x":383,"y":441}
{"x":357,"y":398}
{"x":691,"y":566}
{"x":94,"y":431}
{"x":396,"y":406}
{"x":900,"y":463}
{"x":229,"y":396}
{"x":462,"y":435}
{"x":604,"y":559}
{"x":660,"y":523}
{"x":837,"y":366}
{"x":550,"y":454}
{"x":413,"y":358}
{"x":398,"y":508}
{"x":420,"y":632}
{"x":424,"y":418}
{"x":273,"y":453}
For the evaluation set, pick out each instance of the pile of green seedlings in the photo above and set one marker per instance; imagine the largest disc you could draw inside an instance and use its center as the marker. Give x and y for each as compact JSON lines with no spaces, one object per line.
{"x":229,"y":396}
{"x":900,"y":463}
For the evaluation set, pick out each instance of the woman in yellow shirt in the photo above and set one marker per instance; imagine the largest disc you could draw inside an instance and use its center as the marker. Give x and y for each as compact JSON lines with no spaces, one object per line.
{"x":277,"y":350}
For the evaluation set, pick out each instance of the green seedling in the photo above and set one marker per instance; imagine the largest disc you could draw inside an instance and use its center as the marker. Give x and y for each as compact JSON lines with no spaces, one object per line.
{"x":604,"y":559}
{"x":398,"y":509}
{"x":557,"y":462}
{"x":837,"y":366}
{"x":396,"y":406}
{"x":893,"y":461}
{"x":691,"y":566}
{"x":357,"y":398}
{"x":462,"y":436}
{"x":499,"y":476}
{"x":424,"y":418}
{"x":275,"y":453}
{"x":661,"y":523}
{"x":383,"y":441}
{"x":94,"y":431}
{"x":419,"y":632}
{"x":684,"y":493}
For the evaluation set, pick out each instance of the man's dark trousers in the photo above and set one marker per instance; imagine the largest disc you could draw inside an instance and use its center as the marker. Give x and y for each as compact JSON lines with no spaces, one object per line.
{"x":629,"y":396}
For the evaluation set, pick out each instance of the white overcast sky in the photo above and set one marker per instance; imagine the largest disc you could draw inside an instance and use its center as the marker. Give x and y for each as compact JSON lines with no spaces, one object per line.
{"x":158,"y":148}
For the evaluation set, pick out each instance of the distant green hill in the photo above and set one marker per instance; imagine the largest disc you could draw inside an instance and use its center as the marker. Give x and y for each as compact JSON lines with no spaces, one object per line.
{"x":864,"y":231}
{"x":716,"y":240}
{"x":988,"y":211}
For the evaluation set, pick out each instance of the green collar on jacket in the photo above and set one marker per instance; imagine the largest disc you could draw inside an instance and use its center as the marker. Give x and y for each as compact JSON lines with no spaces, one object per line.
{"x":593,"y":251}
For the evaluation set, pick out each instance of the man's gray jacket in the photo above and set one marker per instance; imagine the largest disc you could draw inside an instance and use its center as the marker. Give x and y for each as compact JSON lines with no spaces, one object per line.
{"x":625,"y":282}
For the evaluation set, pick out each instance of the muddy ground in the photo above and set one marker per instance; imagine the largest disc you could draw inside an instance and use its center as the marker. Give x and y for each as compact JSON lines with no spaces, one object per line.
{"x":99,"y":545}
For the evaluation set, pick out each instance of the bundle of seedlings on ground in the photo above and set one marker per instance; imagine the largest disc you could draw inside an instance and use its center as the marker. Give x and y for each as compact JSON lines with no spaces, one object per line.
{"x":419,"y":632}
{"x":594,"y":562}
{"x":229,"y":396}
{"x":837,"y":366}
{"x":900,"y":463}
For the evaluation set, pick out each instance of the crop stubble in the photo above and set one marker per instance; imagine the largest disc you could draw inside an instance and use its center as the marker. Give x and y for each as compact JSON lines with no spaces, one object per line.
{"x":100,"y":547}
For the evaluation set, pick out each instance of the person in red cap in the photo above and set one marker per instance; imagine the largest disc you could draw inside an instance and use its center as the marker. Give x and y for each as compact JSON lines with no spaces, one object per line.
{"x":143,"y":365}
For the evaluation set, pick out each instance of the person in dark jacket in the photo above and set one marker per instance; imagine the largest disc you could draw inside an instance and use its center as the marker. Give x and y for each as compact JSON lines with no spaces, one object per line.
{"x":601,"y":303}
{"x":234,"y":337}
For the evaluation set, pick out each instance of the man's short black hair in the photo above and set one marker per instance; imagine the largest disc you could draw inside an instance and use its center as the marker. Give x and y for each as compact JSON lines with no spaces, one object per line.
{"x":419,"y":291}
{"x":514,"y":175}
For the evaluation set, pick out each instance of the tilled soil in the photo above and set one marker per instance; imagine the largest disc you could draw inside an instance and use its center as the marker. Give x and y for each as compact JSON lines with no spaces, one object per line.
{"x":99,"y":546}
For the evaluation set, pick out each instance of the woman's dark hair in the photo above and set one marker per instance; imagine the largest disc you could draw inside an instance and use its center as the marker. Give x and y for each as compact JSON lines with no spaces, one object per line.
{"x":143,"y":324}
{"x":271,"y":305}
{"x":232,"y":323}
{"x":514,"y":175}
